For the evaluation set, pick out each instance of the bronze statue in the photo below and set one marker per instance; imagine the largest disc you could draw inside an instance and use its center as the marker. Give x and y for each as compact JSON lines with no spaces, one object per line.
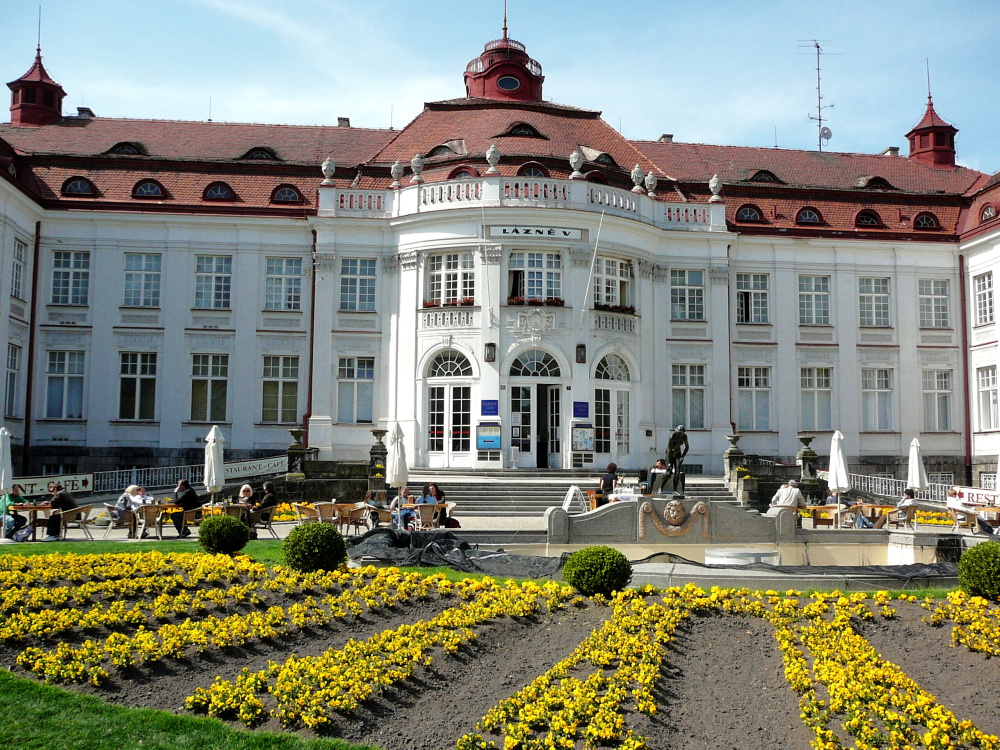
{"x":677,"y":448}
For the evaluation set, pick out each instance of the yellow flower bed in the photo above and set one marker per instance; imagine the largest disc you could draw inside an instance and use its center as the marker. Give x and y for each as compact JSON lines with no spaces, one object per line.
{"x":977,"y":626}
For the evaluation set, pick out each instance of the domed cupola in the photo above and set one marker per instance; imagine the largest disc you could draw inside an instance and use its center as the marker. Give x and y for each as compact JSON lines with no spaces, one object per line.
{"x":504,"y":71}
{"x":35,"y":98}
{"x":932,"y":140}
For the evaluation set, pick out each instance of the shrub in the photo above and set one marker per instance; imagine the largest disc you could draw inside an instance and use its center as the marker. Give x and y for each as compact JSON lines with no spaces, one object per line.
{"x":979,"y":571}
{"x":223,"y":535}
{"x":597,"y":570}
{"x":314,"y":546}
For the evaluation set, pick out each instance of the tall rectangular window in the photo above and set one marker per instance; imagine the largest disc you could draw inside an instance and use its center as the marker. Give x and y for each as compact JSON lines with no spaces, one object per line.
{"x":816,"y":398}
{"x":612,"y":282}
{"x":64,"y":385}
{"x":137,"y":385}
{"x":986,"y":388}
{"x":283,"y":284}
{"x":687,"y":394}
{"x":70,"y":277}
{"x":451,"y":278}
{"x":357,"y":284}
{"x":814,"y":300}
{"x":983,"y":287}
{"x":751,"y":298}
{"x":535,"y":275}
{"x":873,"y":301}
{"x":209,"y":387}
{"x":10,"y":381}
{"x":142,"y":279}
{"x":876,"y":399}
{"x":17,"y":270}
{"x":355,"y":389}
{"x":213,"y":281}
{"x":937,"y":400}
{"x":280,"y":402}
{"x":933,"y":303}
{"x":754,"y":392}
{"x":687,"y":295}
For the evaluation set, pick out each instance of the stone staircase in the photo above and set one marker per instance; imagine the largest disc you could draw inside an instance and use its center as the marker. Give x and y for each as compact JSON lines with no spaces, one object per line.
{"x":528,"y":493}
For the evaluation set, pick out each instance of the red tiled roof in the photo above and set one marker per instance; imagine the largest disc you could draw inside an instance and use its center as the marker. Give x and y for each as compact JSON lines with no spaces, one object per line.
{"x":931,"y":119}
{"x":198,"y":141}
{"x":36,"y":72}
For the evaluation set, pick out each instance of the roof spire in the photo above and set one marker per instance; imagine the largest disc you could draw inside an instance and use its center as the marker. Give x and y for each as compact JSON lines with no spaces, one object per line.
{"x":505,"y":20}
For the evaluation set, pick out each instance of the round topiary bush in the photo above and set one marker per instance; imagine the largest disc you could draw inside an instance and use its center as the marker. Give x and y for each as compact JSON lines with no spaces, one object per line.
{"x":223,"y":535}
{"x":597,"y":570}
{"x":314,"y":546}
{"x":979,"y":571}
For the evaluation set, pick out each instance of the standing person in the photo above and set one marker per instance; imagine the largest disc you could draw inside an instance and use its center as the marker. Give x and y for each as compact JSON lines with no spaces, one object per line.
{"x":12,"y":520}
{"x":61,"y":500}
{"x":607,"y":483}
{"x":187,"y":498}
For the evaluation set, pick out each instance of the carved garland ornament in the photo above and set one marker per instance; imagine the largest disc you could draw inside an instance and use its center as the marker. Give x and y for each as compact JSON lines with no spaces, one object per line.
{"x":676,"y":522}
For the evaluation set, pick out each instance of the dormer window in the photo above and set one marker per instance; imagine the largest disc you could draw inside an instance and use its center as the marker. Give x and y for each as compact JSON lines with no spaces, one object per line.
{"x":532,"y":170}
{"x":286,"y":194}
{"x":606,"y":159}
{"x":147,"y":189}
{"x":440,"y":151}
{"x":260,"y":154}
{"x":867,"y":219}
{"x":926,"y":220}
{"x":508,"y":83}
{"x":463,"y":173}
{"x":218,"y":191}
{"x":749,"y":213}
{"x":808,"y":216}
{"x":127,"y":148}
{"x":764,"y":175}
{"x":521,"y":130}
{"x":988,"y":213}
{"x":875,"y":183}
{"x":79,"y":187}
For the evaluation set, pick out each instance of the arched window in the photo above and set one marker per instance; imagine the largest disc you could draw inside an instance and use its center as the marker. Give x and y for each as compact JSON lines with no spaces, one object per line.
{"x":532,"y":170}
{"x":449,"y":364}
{"x":867,"y":218}
{"x":612,"y":367}
{"x":440,"y":151}
{"x":127,"y":148}
{"x":463,"y":173}
{"x":988,"y":213}
{"x":808,"y":216}
{"x":597,"y":177}
{"x":535,"y":363}
{"x":606,"y":159}
{"x":147,"y":189}
{"x":260,"y":154}
{"x":78,"y":187}
{"x":877,"y":183}
{"x":286,"y":194}
{"x":749,"y":213}
{"x":926,"y":220}
{"x":218,"y":191}
{"x":764,"y":175}
{"x":524,"y":130}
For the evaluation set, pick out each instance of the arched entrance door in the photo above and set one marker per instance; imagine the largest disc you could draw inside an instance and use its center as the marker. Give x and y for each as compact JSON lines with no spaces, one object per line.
{"x":449,"y":410}
{"x":536,"y":410}
{"x":612,"y":419}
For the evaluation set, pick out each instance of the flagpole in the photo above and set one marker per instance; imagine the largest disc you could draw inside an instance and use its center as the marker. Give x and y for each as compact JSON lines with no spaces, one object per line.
{"x":590,"y":279}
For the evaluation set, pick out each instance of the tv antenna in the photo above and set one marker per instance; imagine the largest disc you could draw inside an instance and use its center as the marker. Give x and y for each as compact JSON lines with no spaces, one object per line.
{"x":824,"y":133}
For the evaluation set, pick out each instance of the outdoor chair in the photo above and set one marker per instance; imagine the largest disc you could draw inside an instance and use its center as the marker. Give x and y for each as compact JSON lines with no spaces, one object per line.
{"x":75,"y":519}
{"x":427,"y":516}
{"x":125,"y":522}
{"x":190,"y":518}
{"x":258,"y":521}
{"x":384,"y":515}
{"x":826,"y":517}
{"x":151,"y":518}
{"x":305,"y":514}
{"x":343,"y":511}
{"x":326,"y":513}
{"x":355,"y":516}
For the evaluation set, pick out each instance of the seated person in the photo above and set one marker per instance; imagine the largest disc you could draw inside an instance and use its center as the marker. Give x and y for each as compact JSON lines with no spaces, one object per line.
{"x":789,"y":497}
{"x":188,"y":499}
{"x":61,"y":500}
{"x":126,"y":507}
{"x":267,"y":503}
{"x":12,"y":520}
{"x":375,"y":500}
{"x":906,"y":506}
{"x":401,"y":517}
{"x":658,"y":476}
{"x":607,"y":483}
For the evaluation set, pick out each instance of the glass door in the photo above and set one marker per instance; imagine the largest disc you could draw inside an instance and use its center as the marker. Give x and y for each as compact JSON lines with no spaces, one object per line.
{"x":449,"y":423}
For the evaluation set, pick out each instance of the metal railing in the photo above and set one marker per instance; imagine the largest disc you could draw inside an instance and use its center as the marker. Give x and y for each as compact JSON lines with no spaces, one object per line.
{"x":168,"y":476}
{"x":894,"y":487}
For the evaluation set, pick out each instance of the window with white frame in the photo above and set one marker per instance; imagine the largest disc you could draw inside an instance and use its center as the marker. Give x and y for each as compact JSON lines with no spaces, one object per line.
{"x":873,"y":301}
{"x":10,"y":381}
{"x":612,"y":282}
{"x":876,"y":399}
{"x":814,"y":300}
{"x":816,"y":397}
{"x":451,"y":277}
{"x":941,"y":477}
{"x":687,"y":393}
{"x":753,"y":386}
{"x":937,"y":388}
{"x":209,"y":387}
{"x":17,"y":270}
{"x":355,"y":389}
{"x":535,"y":276}
{"x":933,"y":303}
{"x":280,"y":397}
{"x":983,"y":287}
{"x":986,"y":389}
{"x":751,"y":298}
{"x":213,"y":281}
{"x":64,"y":385}
{"x":137,"y":385}
{"x":283,"y":284}
{"x":70,"y":277}
{"x":142,"y":279}
{"x":357,"y":284}
{"x":687,"y":296}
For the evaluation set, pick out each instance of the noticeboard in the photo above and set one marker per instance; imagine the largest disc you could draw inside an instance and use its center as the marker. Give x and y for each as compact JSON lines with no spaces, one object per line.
{"x":582,"y":437}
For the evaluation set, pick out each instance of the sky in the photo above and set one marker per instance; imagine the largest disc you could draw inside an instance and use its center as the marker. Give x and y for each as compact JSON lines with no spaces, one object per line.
{"x":734,"y":72}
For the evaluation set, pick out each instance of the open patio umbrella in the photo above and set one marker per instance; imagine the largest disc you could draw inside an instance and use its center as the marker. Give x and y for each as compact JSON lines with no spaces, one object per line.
{"x":916,"y":475}
{"x":215,"y":475}
{"x":396,"y":471}
{"x":6,"y":476}
{"x":837,"y":479}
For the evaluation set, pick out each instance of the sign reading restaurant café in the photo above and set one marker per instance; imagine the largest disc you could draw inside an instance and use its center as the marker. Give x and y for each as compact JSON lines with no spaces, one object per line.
{"x":555,"y":233}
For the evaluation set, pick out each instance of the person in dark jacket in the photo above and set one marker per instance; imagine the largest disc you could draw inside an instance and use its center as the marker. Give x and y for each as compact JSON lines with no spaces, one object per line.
{"x":61,"y":500}
{"x":187,"y":498}
{"x":268,"y":502}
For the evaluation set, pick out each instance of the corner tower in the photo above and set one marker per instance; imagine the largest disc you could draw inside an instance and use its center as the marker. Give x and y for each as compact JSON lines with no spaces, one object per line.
{"x":504,"y":71}
{"x":35,"y":98}
{"x":932,"y":140}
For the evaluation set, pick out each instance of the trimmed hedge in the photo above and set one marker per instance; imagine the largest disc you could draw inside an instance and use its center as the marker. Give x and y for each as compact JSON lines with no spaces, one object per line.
{"x":314,"y":546}
{"x":597,"y":570}
{"x":979,"y":571}
{"x":223,"y":535}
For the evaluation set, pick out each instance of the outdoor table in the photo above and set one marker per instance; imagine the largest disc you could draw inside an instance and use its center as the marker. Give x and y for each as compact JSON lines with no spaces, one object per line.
{"x":832,"y":520}
{"x":618,"y":497}
{"x":33,"y":510}
{"x":876,"y":510}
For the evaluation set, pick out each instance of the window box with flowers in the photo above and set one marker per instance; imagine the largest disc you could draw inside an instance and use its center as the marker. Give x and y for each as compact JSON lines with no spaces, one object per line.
{"x":468,"y":301}
{"x":515,"y":300}
{"x":555,"y":302}
{"x":534,"y":302}
{"x":626,"y":309}
{"x":431,"y":303}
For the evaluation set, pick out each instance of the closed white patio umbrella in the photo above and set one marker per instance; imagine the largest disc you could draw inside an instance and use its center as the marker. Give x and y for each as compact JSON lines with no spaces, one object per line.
{"x":837,"y":479}
{"x":6,"y":476}
{"x":215,"y":475}
{"x":396,"y":472}
{"x":916,"y":475}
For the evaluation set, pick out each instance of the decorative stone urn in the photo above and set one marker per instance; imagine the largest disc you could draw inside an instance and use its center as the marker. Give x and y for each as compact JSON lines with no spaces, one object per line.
{"x":417,"y":165}
{"x":576,"y":161}
{"x":397,"y":174}
{"x":493,"y":157}
{"x":377,"y":456}
{"x":651,"y":182}
{"x":637,"y":177}
{"x":297,"y":453}
{"x":715,"y":185}
{"x":732,"y":457}
{"x":328,"y":168}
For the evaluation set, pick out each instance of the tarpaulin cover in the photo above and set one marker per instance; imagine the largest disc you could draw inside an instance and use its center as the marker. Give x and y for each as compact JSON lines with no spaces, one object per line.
{"x":442,"y":548}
